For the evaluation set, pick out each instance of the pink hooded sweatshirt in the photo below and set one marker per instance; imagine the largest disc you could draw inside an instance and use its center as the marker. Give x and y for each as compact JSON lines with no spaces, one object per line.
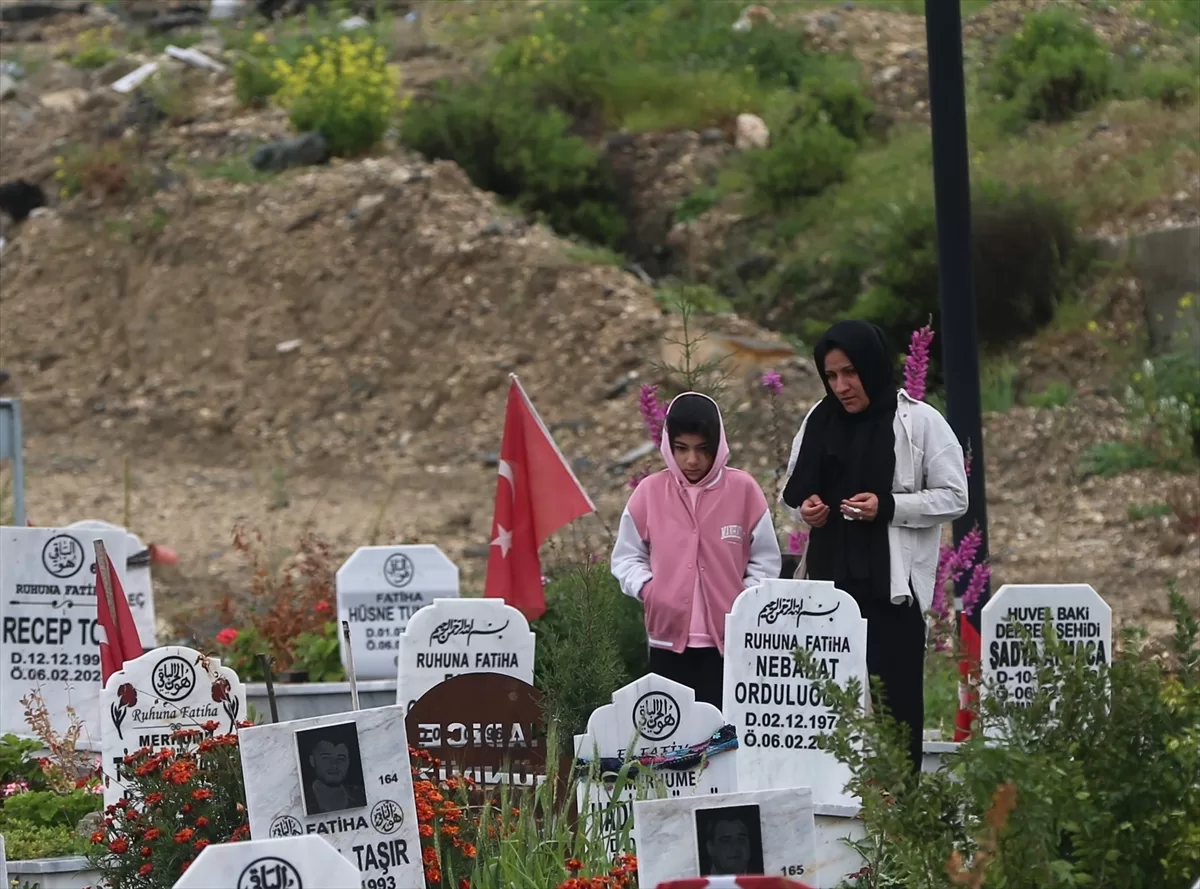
{"x":687,"y":551}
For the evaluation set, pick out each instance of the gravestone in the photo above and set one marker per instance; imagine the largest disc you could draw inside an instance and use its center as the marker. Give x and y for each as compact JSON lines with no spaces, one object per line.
{"x":654,"y":716}
{"x":343,"y":776}
{"x":1080,"y":618}
{"x":486,"y":726}
{"x":136,"y":581}
{"x":454,"y":636}
{"x":756,"y":832}
{"x":49,"y":639}
{"x":167,"y":690}
{"x":3,"y":864}
{"x":379,"y":589}
{"x":302,"y":862}
{"x":779,"y":715}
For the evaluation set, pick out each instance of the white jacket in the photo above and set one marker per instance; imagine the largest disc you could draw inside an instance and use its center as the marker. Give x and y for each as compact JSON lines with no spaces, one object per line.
{"x":930,"y":489}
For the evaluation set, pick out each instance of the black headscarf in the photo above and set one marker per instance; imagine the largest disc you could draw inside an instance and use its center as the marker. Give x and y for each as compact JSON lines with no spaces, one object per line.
{"x":844,"y":454}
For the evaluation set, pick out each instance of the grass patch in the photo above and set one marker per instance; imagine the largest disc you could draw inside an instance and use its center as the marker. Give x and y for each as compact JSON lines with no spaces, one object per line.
{"x":998,"y":386}
{"x":1140,"y":511}
{"x":589,"y":254}
{"x":1054,"y":395}
{"x":236,"y":169}
{"x":917,"y":7}
{"x":1111,"y":458}
{"x":700,"y":297}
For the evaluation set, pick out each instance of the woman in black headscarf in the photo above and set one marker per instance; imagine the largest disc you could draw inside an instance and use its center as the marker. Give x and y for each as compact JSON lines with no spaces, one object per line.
{"x":874,"y":473}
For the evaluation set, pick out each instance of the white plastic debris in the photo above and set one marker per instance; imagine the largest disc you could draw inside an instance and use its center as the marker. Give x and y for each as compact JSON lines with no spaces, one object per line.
{"x":288,"y":346}
{"x":195,"y":58}
{"x":354,"y":23}
{"x":225,"y":9}
{"x":135,"y":78}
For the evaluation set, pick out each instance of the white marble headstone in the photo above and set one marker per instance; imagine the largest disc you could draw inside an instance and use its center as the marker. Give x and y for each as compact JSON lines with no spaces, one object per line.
{"x":48,"y":626}
{"x":1080,"y":618}
{"x":650,"y":717}
{"x":136,"y":581}
{"x":379,"y":589}
{"x":3,"y":864}
{"x":780,"y":716}
{"x":303,"y":862}
{"x":450,"y":637}
{"x":343,"y":776}
{"x":743,"y":834}
{"x":165,"y":690}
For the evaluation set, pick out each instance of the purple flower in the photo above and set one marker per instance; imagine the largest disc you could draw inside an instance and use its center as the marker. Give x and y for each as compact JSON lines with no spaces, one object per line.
{"x":772,"y":382}
{"x":654,"y":414}
{"x":952,"y":563}
{"x":967,"y":460}
{"x":796,"y":542}
{"x":980,"y":576}
{"x":916,"y":365}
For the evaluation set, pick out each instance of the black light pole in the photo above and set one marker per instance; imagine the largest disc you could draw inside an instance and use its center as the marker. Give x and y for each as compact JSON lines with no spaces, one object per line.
{"x":952,"y":202}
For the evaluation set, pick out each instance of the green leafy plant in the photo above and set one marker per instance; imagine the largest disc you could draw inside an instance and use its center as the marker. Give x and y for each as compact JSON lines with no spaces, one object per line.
{"x":255,"y":79}
{"x":591,"y":641}
{"x":25,"y":842}
{"x":47,"y":808}
{"x":319,"y":654}
{"x":1169,"y":85}
{"x":1053,"y":68}
{"x":802,"y":161}
{"x":1099,"y":778}
{"x":18,"y":763}
{"x":521,"y":153}
{"x":342,"y":88}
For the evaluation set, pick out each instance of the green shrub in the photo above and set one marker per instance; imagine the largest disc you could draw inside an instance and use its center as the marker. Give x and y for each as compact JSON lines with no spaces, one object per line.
{"x":521,"y":153}
{"x":1098,"y":784}
{"x":1054,"y":67}
{"x":841,"y":101}
{"x":342,"y":88}
{"x":802,"y":161}
{"x":255,"y":78}
{"x":1162,"y":404}
{"x":23,"y":842}
{"x":591,"y":641}
{"x":1026,"y":256}
{"x":46,"y":808}
{"x":1170,"y":86}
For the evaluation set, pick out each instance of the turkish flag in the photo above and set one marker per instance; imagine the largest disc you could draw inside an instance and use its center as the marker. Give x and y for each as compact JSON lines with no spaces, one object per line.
{"x":968,"y":671}
{"x":536,"y":494}
{"x":119,"y":640}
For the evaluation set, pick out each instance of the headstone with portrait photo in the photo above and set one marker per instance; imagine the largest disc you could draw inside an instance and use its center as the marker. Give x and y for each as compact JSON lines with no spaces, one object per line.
{"x":49,"y":642}
{"x":1012,"y":634}
{"x":135,"y":580}
{"x":746,"y":833}
{"x":652,"y":717}
{"x":780,"y":715}
{"x":450,"y":637}
{"x":276,"y":863}
{"x":379,"y":589}
{"x":169,"y":697}
{"x":343,"y":776}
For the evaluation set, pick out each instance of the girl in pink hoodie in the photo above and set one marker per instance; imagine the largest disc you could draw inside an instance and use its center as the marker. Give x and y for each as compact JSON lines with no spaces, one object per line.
{"x":691,"y":538}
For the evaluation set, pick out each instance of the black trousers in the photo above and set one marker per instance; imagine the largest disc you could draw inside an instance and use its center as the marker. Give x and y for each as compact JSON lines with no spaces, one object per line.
{"x":700,"y":669}
{"x":896,"y":654}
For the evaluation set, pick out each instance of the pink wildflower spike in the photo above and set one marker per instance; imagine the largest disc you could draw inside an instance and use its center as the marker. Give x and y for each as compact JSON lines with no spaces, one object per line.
{"x":772,"y":382}
{"x":967,"y":460}
{"x":916,"y":365}
{"x":980,"y":576}
{"x":654,"y":414}
{"x":796,"y":542}
{"x":968,"y":548}
{"x":636,"y":478}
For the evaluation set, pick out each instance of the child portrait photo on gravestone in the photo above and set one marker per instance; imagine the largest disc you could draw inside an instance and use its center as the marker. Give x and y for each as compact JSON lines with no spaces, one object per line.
{"x":331,"y":769}
{"x":729,"y":841}
{"x":691,"y":538}
{"x":875,"y":473}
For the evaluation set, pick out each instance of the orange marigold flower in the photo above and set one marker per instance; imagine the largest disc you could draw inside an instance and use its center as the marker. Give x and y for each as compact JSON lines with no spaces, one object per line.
{"x":154,"y":799}
{"x":185,"y":865}
{"x":429,"y":855}
{"x":153,"y":834}
{"x":468,"y":850}
{"x":200,"y":845}
{"x":146,"y":869}
{"x":185,"y":835}
{"x":202,"y":794}
{"x":202,"y":821}
{"x":211,"y":726}
{"x":450,"y":830}
{"x":147,"y":851}
{"x":574,"y":865}
{"x":186,"y":807}
{"x":119,"y":846}
{"x":433,"y":876}
{"x":425,"y":830}
{"x":98,"y":837}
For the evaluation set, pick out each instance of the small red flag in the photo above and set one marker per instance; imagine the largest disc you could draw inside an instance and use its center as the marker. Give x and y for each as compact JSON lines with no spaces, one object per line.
{"x":968,"y":682}
{"x":536,"y":494}
{"x":119,"y":640}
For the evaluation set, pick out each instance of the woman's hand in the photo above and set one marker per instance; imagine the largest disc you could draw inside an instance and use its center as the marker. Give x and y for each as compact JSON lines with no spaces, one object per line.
{"x":814,"y":512}
{"x":861,"y":507}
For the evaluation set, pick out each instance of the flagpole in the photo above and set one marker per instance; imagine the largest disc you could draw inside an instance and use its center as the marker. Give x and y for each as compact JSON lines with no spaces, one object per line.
{"x":350,"y":665}
{"x":105,"y":575}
